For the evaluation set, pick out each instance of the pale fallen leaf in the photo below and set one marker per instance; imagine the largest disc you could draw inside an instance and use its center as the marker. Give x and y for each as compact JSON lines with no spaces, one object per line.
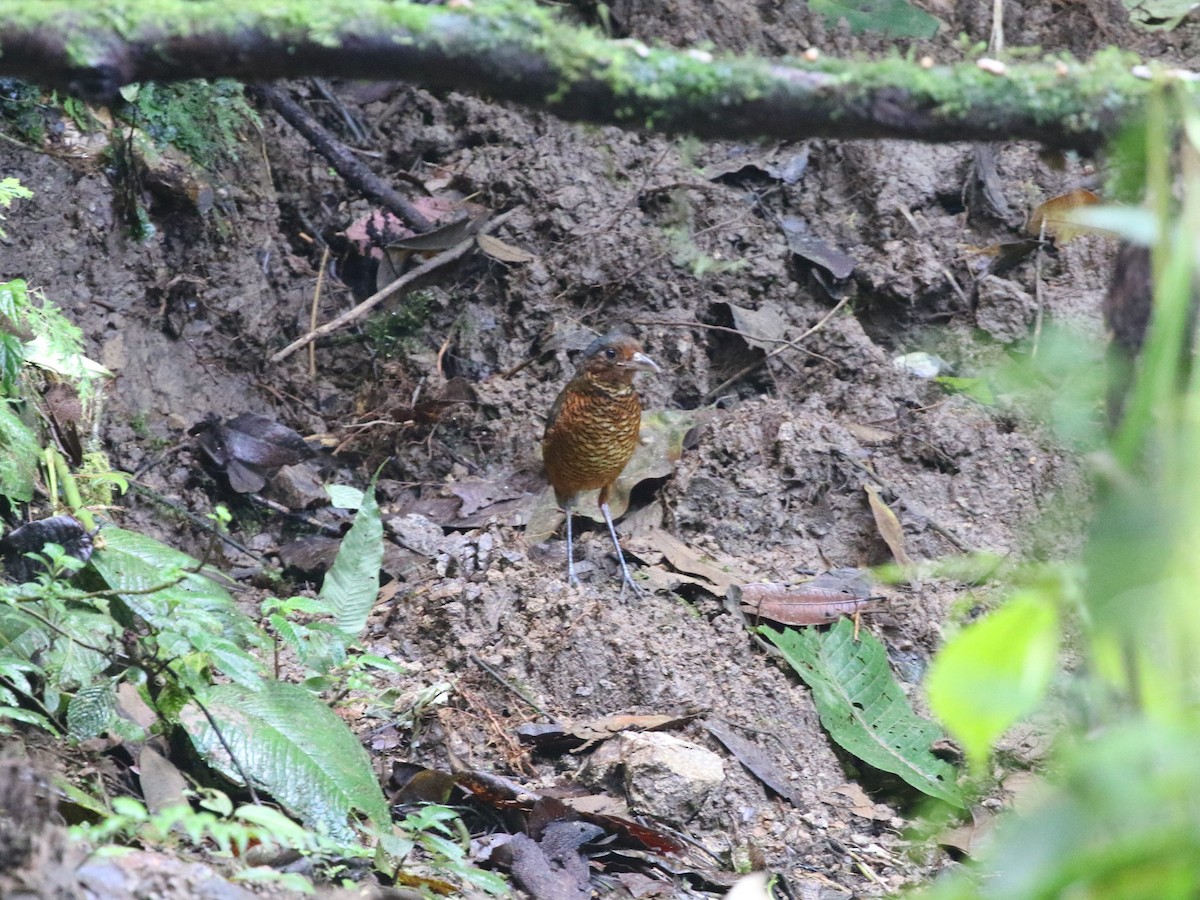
{"x":720,"y":573}
{"x":763,"y":328}
{"x":498,"y":249}
{"x":888,"y":524}
{"x":1055,"y":215}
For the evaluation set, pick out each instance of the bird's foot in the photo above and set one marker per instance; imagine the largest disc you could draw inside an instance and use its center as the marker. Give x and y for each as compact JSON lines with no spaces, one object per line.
{"x":627,"y":583}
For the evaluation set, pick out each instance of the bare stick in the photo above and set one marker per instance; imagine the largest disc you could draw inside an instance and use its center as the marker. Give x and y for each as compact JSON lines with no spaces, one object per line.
{"x":428,"y":267}
{"x":790,"y":345}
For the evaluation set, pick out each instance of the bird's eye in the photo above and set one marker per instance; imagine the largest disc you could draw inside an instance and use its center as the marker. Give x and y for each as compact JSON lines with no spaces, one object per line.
{"x":611,"y":353}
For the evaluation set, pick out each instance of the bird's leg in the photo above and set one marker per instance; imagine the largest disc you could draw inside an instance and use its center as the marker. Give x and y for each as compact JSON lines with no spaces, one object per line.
{"x":612,"y":530}
{"x":571,"y":578}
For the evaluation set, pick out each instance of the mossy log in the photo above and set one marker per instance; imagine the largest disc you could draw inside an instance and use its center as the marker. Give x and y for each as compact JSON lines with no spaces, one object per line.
{"x":515,"y":50}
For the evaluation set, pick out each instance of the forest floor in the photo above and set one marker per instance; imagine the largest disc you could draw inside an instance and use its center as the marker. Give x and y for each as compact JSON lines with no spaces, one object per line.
{"x":695,"y":245}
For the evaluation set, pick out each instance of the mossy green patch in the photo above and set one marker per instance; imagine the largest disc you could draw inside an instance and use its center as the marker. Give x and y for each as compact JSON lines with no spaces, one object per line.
{"x":202,"y":118}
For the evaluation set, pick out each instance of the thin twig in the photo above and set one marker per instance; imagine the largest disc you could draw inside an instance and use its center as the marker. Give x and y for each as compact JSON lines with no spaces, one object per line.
{"x":426,"y":268}
{"x":757,"y":364}
{"x":312,"y":315}
{"x":511,"y":688}
{"x":746,"y":336}
{"x":1038,"y":292}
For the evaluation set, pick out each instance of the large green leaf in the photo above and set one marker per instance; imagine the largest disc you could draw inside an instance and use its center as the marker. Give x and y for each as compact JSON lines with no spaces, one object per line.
{"x":995,"y":671}
{"x":188,"y":602}
{"x":894,"y":18}
{"x":352,"y":583}
{"x":863,"y":708}
{"x":292,"y":745}
{"x":18,"y":456}
{"x":1154,"y":15}
{"x":91,"y":710}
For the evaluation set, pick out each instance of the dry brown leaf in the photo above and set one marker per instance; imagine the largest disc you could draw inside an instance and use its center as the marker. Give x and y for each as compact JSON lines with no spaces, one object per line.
{"x":800,"y":604}
{"x":163,"y":785}
{"x":889,"y":526}
{"x":860,"y":802}
{"x":763,"y":328}
{"x":869,"y":434}
{"x":719,"y":572}
{"x":966,"y":839}
{"x":1055,"y":215}
{"x":498,"y":249}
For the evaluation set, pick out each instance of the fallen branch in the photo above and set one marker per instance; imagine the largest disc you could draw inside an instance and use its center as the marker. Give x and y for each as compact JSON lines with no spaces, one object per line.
{"x":407,"y":280}
{"x":517,"y":50}
{"x":341,"y":157}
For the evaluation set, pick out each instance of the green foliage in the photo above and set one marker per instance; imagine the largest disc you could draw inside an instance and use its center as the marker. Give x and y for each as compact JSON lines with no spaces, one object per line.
{"x":391,"y":331}
{"x":352,"y":582}
{"x":863,"y":708}
{"x":1118,"y":816}
{"x":996,"y":671}
{"x":1120,"y":821}
{"x":287,"y":741}
{"x":893,"y":18}
{"x":431,"y":825}
{"x":10,"y":190}
{"x":19,"y":455}
{"x":22,"y":110}
{"x":202,"y":118}
{"x":218,"y":827}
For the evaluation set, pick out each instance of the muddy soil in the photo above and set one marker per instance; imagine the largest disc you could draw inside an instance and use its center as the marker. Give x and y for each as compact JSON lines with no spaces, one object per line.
{"x":689,"y":243}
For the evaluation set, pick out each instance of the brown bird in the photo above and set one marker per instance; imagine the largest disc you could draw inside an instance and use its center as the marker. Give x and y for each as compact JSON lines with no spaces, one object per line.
{"x":593,"y":430}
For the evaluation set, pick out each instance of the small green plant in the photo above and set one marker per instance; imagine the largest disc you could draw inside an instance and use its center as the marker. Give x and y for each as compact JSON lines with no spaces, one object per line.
{"x":1117,"y":816}
{"x":202,"y":118}
{"x":10,"y":190}
{"x":391,"y":332}
{"x":22,"y":110}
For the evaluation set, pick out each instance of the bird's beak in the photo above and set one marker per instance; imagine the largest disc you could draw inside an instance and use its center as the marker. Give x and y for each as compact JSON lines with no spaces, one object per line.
{"x":643,"y":363}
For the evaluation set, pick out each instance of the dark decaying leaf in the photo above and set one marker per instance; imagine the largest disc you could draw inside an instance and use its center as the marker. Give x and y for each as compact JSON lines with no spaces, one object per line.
{"x":481,"y":493}
{"x":824,"y":599}
{"x":756,"y":761}
{"x":411,"y":783}
{"x":552,"y":867}
{"x":1007,"y":256}
{"x":66,"y":531}
{"x":248,"y":447}
{"x":813,"y":249}
{"x":863,"y":708}
{"x":310,"y":555}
